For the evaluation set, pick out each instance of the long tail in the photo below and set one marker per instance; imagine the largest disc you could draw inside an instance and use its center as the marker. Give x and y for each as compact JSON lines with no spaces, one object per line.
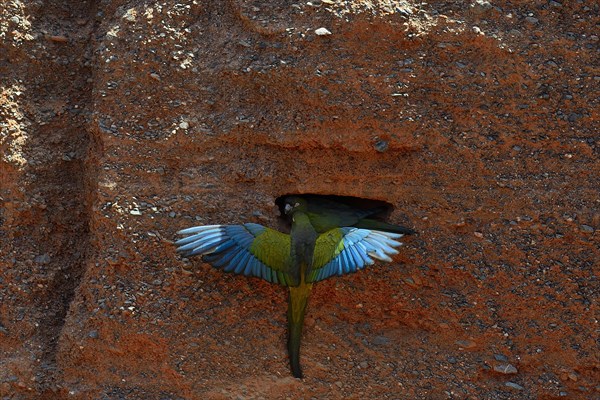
{"x":298,"y":298}
{"x":368,"y":223}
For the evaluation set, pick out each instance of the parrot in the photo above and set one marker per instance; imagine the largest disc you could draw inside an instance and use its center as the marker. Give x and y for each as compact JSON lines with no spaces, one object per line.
{"x":297,"y":260}
{"x":325,"y":214}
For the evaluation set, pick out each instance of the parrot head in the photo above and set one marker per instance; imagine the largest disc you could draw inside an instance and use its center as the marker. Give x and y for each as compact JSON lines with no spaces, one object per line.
{"x":293,"y":204}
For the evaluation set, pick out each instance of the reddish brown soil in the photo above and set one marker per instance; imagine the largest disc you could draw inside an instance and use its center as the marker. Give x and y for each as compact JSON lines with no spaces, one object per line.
{"x":122,"y":122}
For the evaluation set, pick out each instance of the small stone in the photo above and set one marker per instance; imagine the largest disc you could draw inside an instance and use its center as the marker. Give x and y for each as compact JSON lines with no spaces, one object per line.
{"x":481,"y":5}
{"x":587,"y":228}
{"x":477,"y":30}
{"x":130,"y":15}
{"x":500,"y":357}
{"x":555,"y":4}
{"x":532,"y":20}
{"x":363,"y":364}
{"x":466,"y":344}
{"x":42,"y":259}
{"x":380,"y":340}
{"x":322,"y":32}
{"x":505,"y":369}
{"x":157,"y":282}
{"x":135,"y":211}
{"x":513,"y":385}
{"x":573,"y":376}
{"x":478,"y":234}
{"x":338,"y":384}
{"x":381,"y":146}
{"x":93,"y":334}
{"x":184,"y":125}
{"x":452,"y":360}
{"x":155,"y":76}
{"x":172,"y":214}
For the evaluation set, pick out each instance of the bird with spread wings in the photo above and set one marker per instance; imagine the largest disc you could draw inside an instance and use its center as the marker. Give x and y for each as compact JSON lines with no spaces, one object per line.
{"x":326,"y":239}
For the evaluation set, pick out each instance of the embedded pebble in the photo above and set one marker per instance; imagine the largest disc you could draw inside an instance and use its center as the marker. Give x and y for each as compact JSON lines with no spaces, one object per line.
{"x":531,"y":20}
{"x":513,"y":385}
{"x":481,"y":5}
{"x":505,"y":369}
{"x":322,"y":32}
{"x":379,"y":340}
{"x":467,"y":344}
{"x":587,"y":228}
{"x":477,"y":30}
{"x":42,"y":259}
{"x":381,"y":145}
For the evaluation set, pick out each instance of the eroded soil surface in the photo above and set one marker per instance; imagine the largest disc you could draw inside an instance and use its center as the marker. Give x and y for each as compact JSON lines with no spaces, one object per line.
{"x":122,"y":122}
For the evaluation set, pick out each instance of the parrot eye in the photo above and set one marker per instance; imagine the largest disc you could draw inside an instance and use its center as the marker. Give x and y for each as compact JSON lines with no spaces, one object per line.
{"x":296,"y":205}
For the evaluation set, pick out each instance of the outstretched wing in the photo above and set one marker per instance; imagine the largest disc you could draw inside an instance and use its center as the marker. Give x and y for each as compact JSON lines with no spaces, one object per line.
{"x":342,"y":251}
{"x":249,"y":249}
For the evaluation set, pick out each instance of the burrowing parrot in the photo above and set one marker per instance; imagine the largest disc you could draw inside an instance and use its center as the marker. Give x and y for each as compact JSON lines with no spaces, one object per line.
{"x":297,"y":260}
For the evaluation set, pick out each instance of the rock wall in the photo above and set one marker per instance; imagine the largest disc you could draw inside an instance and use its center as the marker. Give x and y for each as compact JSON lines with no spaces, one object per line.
{"x":123,"y":122}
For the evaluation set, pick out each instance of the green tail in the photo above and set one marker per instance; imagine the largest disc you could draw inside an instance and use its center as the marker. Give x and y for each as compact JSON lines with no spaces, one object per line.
{"x":367,"y":223}
{"x":298,"y":298}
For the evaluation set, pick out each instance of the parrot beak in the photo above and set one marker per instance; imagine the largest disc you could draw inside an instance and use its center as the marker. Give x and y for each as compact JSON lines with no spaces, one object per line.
{"x":287,"y":208}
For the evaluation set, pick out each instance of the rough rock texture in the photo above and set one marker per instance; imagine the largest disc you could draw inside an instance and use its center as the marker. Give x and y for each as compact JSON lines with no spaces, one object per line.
{"x":124,"y":121}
